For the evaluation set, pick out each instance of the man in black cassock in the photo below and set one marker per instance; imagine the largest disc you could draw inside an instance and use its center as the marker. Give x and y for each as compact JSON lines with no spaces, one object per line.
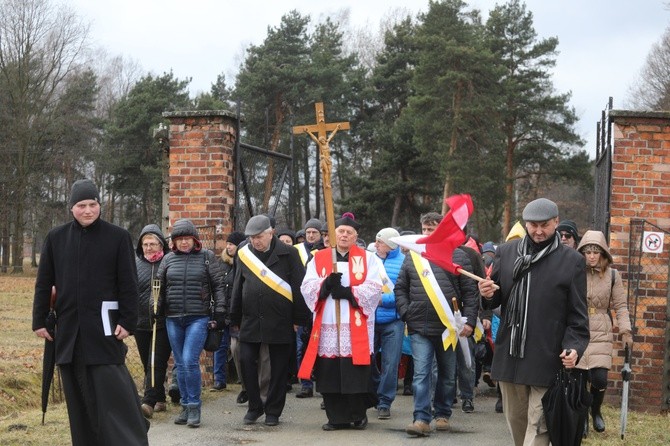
{"x":91,"y":263}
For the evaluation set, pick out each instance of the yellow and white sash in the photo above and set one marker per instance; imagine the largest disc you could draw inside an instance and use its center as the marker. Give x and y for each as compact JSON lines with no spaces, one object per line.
{"x":304,"y":255}
{"x":479,"y":331}
{"x":264,"y":274}
{"x":387,"y":285}
{"x":449,"y":335}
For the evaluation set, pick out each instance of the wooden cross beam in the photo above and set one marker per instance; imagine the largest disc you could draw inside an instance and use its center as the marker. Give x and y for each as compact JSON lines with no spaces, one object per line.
{"x":319,"y":133}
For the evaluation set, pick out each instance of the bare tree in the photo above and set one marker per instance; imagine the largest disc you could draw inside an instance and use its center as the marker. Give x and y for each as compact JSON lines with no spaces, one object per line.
{"x":40,"y":46}
{"x":652,"y":91}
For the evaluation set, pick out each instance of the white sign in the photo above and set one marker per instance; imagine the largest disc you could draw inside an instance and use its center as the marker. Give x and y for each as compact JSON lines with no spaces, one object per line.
{"x":652,"y":242}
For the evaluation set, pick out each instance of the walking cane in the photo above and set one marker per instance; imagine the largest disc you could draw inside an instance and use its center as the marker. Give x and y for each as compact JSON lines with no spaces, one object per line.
{"x":155,"y":292}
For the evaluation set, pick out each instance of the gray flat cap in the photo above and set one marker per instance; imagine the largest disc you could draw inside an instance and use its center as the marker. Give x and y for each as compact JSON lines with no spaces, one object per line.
{"x":541,"y":209}
{"x":257,"y":224}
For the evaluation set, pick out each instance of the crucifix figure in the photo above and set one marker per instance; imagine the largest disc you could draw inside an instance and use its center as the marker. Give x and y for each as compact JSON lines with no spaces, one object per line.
{"x":319,"y":133}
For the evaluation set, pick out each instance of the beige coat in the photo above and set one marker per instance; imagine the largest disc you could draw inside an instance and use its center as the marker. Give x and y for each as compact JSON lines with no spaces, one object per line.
{"x":602,"y":295}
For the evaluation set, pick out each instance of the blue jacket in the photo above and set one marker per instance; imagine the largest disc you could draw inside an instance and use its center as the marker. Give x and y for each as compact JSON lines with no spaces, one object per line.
{"x":386,"y":311}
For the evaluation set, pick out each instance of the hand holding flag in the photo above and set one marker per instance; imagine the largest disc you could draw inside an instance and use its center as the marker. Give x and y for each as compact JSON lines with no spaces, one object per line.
{"x":438,"y":247}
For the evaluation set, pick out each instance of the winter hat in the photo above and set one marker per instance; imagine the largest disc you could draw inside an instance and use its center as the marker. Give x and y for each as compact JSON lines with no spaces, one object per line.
{"x":348,"y":219}
{"x":257,"y":224}
{"x":488,"y":247}
{"x":313,"y":223}
{"x":183,"y":228}
{"x":83,"y":190}
{"x":568,"y":226}
{"x":385,"y":236}
{"x":236,"y":237}
{"x":541,"y":209}
{"x":288,"y":232}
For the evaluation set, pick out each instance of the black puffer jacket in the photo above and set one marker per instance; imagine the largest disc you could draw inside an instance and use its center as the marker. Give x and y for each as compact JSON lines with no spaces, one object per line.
{"x":146,"y":272}
{"x":414,"y":305}
{"x":185,"y":286}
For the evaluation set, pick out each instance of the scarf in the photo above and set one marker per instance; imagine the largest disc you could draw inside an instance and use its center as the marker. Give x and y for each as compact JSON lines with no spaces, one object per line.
{"x":153,"y":258}
{"x":517,"y":310}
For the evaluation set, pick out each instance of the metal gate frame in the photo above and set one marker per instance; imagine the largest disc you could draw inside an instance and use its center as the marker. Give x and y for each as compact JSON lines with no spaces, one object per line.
{"x":603,"y":173}
{"x":645,"y":273}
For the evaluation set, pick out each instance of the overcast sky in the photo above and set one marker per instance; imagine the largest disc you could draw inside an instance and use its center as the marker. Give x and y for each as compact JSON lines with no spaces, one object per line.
{"x":603,"y":43}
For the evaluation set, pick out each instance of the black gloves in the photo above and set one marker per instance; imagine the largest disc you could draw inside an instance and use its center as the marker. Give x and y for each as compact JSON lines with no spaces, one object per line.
{"x":329,"y":283}
{"x":344,"y":293}
{"x":219,"y":322}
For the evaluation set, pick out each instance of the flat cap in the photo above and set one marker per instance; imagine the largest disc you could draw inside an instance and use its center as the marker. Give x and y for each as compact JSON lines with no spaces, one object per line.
{"x":541,"y":209}
{"x":257,"y":224}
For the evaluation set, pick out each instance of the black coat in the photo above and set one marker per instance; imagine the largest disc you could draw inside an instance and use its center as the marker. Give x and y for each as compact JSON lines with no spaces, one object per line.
{"x":262,"y":314}
{"x":146,"y":273}
{"x":414,"y":305}
{"x":557,"y":317}
{"x":88,"y":266}
{"x":185,"y":284}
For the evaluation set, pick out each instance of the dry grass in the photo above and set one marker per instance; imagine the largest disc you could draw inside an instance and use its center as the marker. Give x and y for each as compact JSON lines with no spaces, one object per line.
{"x":21,"y":369}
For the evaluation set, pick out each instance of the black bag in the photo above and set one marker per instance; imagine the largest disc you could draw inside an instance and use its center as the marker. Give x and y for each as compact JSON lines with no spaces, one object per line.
{"x":213,"y":341}
{"x":214,"y":335}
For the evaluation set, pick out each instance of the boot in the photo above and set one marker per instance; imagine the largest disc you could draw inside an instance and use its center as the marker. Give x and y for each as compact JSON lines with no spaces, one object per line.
{"x":182,"y":418}
{"x":193,"y":415}
{"x":598,"y":421}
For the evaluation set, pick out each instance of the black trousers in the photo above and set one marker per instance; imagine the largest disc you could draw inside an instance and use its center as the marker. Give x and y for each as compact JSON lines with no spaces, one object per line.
{"x":279,"y":366}
{"x":102,"y":404}
{"x":153,"y":395}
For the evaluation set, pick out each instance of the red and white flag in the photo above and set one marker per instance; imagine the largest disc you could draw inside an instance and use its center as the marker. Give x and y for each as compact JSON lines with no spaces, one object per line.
{"x":439,"y":246}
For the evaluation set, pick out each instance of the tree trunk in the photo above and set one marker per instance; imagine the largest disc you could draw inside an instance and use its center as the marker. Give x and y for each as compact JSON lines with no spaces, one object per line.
{"x":453,"y":144}
{"x":509,"y":188}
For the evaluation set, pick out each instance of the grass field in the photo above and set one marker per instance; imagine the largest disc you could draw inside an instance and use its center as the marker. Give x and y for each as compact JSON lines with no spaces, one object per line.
{"x":21,"y":370}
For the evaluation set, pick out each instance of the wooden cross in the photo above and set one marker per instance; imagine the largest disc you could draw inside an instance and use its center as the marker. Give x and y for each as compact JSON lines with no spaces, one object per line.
{"x":319,"y":133}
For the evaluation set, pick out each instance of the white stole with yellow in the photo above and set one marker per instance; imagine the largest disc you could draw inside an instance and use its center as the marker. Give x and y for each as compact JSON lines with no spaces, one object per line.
{"x":437,"y":298}
{"x":264,"y":274}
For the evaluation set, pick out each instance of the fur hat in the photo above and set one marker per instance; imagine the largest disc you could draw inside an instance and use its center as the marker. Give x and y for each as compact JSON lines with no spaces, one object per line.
{"x":541,"y":209}
{"x":385,"y":236}
{"x":83,"y":190}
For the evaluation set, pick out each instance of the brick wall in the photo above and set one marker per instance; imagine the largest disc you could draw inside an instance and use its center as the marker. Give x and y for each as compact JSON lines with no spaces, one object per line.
{"x":202,"y":168}
{"x":641,"y":190}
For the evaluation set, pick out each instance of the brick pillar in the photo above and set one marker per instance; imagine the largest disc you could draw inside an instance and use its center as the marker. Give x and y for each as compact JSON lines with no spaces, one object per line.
{"x":202,"y":168}
{"x":202,"y":179}
{"x":640,"y":190}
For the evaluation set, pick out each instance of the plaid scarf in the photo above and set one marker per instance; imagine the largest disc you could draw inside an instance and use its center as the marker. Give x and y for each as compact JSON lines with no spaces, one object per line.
{"x":517,"y":310}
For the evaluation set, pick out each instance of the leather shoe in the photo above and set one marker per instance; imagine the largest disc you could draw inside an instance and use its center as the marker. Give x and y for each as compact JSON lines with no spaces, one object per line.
{"x":305,"y":392}
{"x":271,"y":420}
{"x":334,"y":427}
{"x":218,"y":386}
{"x":252,"y":416}
{"x":361,"y":424}
{"x":160,"y":407}
{"x":242,"y":397}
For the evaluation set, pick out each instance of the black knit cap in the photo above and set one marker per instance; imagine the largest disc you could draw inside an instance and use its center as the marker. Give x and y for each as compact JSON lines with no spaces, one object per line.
{"x":83,"y":190}
{"x":236,"y":237}
{"x":568,"y":226}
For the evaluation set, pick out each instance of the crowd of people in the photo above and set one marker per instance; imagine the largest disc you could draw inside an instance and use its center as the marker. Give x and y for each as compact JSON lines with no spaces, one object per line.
{"x":339,"y":317}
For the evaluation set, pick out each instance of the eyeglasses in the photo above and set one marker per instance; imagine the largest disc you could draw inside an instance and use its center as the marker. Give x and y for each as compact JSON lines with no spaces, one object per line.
{"x":150,"y":245}
{"x":566,"y":235}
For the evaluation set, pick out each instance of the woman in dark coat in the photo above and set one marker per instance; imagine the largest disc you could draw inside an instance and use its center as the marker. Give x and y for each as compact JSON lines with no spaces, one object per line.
{"x":151,"y":247}
{"x":190,"y":277}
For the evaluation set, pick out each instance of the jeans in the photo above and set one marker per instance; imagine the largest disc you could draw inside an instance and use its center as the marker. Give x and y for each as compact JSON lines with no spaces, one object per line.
{"x":466,"y":375}
{"x":388,"y":339}
{"x":300,"y":348}
{"x":423,"y":350}
{"x":221,"y":358}
{"x":187,"y":337}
